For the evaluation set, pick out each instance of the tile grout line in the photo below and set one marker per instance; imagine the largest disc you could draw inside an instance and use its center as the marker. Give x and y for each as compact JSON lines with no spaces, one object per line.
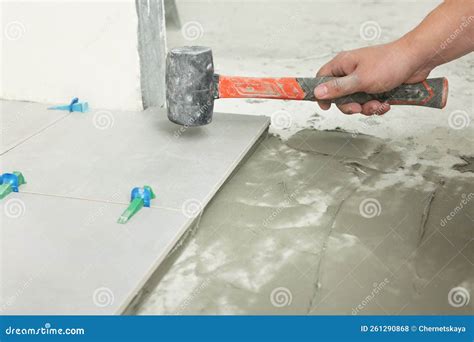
{"x":206,"y":200}
{"x":41,"y":130}
{"x":94,"y":200}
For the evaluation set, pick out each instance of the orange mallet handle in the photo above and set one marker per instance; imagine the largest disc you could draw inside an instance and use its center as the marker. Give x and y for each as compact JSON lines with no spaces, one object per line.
{"x":432,"y":92}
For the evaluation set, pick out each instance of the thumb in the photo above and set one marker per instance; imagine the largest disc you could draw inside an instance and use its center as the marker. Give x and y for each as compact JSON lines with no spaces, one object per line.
{"x":337,"y":87}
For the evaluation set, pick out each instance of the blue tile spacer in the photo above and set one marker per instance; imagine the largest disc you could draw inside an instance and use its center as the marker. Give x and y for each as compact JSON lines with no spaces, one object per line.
{"x":140,"y":197}
{"x":74,"y":106}
{"x":14,"y":179}
{"x":145,"y":193}
{"x":73,"y":102}
{"x":9,"y":182}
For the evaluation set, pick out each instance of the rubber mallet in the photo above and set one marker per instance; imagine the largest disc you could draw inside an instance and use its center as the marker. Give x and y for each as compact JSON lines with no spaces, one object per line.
{"x":192,"y":87}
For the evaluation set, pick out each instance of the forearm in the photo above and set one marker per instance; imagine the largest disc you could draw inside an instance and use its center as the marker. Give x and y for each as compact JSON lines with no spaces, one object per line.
{"x":445,"y":34}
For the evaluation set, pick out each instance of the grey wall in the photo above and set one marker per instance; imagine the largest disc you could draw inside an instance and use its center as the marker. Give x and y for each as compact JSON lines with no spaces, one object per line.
{"x":152,"y":51}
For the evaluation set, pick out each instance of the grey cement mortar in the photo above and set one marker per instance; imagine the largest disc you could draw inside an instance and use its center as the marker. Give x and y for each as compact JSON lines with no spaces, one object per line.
{"x":466,"y":166}
{"x":290,"y":218}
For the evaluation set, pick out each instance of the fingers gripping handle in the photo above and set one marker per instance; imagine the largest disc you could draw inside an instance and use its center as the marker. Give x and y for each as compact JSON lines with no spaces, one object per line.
{"x":429,"y":93}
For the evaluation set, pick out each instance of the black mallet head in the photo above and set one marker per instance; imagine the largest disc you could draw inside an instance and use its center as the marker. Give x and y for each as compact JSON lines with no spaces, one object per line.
{"x":190,"y":85}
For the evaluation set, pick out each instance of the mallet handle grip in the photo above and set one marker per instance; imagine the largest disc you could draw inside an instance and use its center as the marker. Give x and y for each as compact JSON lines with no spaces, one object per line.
{"x":429,"y":93}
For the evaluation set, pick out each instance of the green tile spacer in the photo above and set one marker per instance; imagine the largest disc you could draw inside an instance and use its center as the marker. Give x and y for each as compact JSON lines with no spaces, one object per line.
{"x":131,"y":210}
{"x":152,"y":194}
{"x":21,"y":179}
{"x":140,"y":197}
{"x":5,"y":189}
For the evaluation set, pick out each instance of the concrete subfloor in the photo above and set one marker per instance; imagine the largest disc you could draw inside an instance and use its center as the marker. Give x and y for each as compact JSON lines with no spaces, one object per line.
{"x":342,"y":214}
{"x":328,"y":231}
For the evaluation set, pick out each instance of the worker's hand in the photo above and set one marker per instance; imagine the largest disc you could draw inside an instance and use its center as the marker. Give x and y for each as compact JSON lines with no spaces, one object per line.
{"x":372,"y":70}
